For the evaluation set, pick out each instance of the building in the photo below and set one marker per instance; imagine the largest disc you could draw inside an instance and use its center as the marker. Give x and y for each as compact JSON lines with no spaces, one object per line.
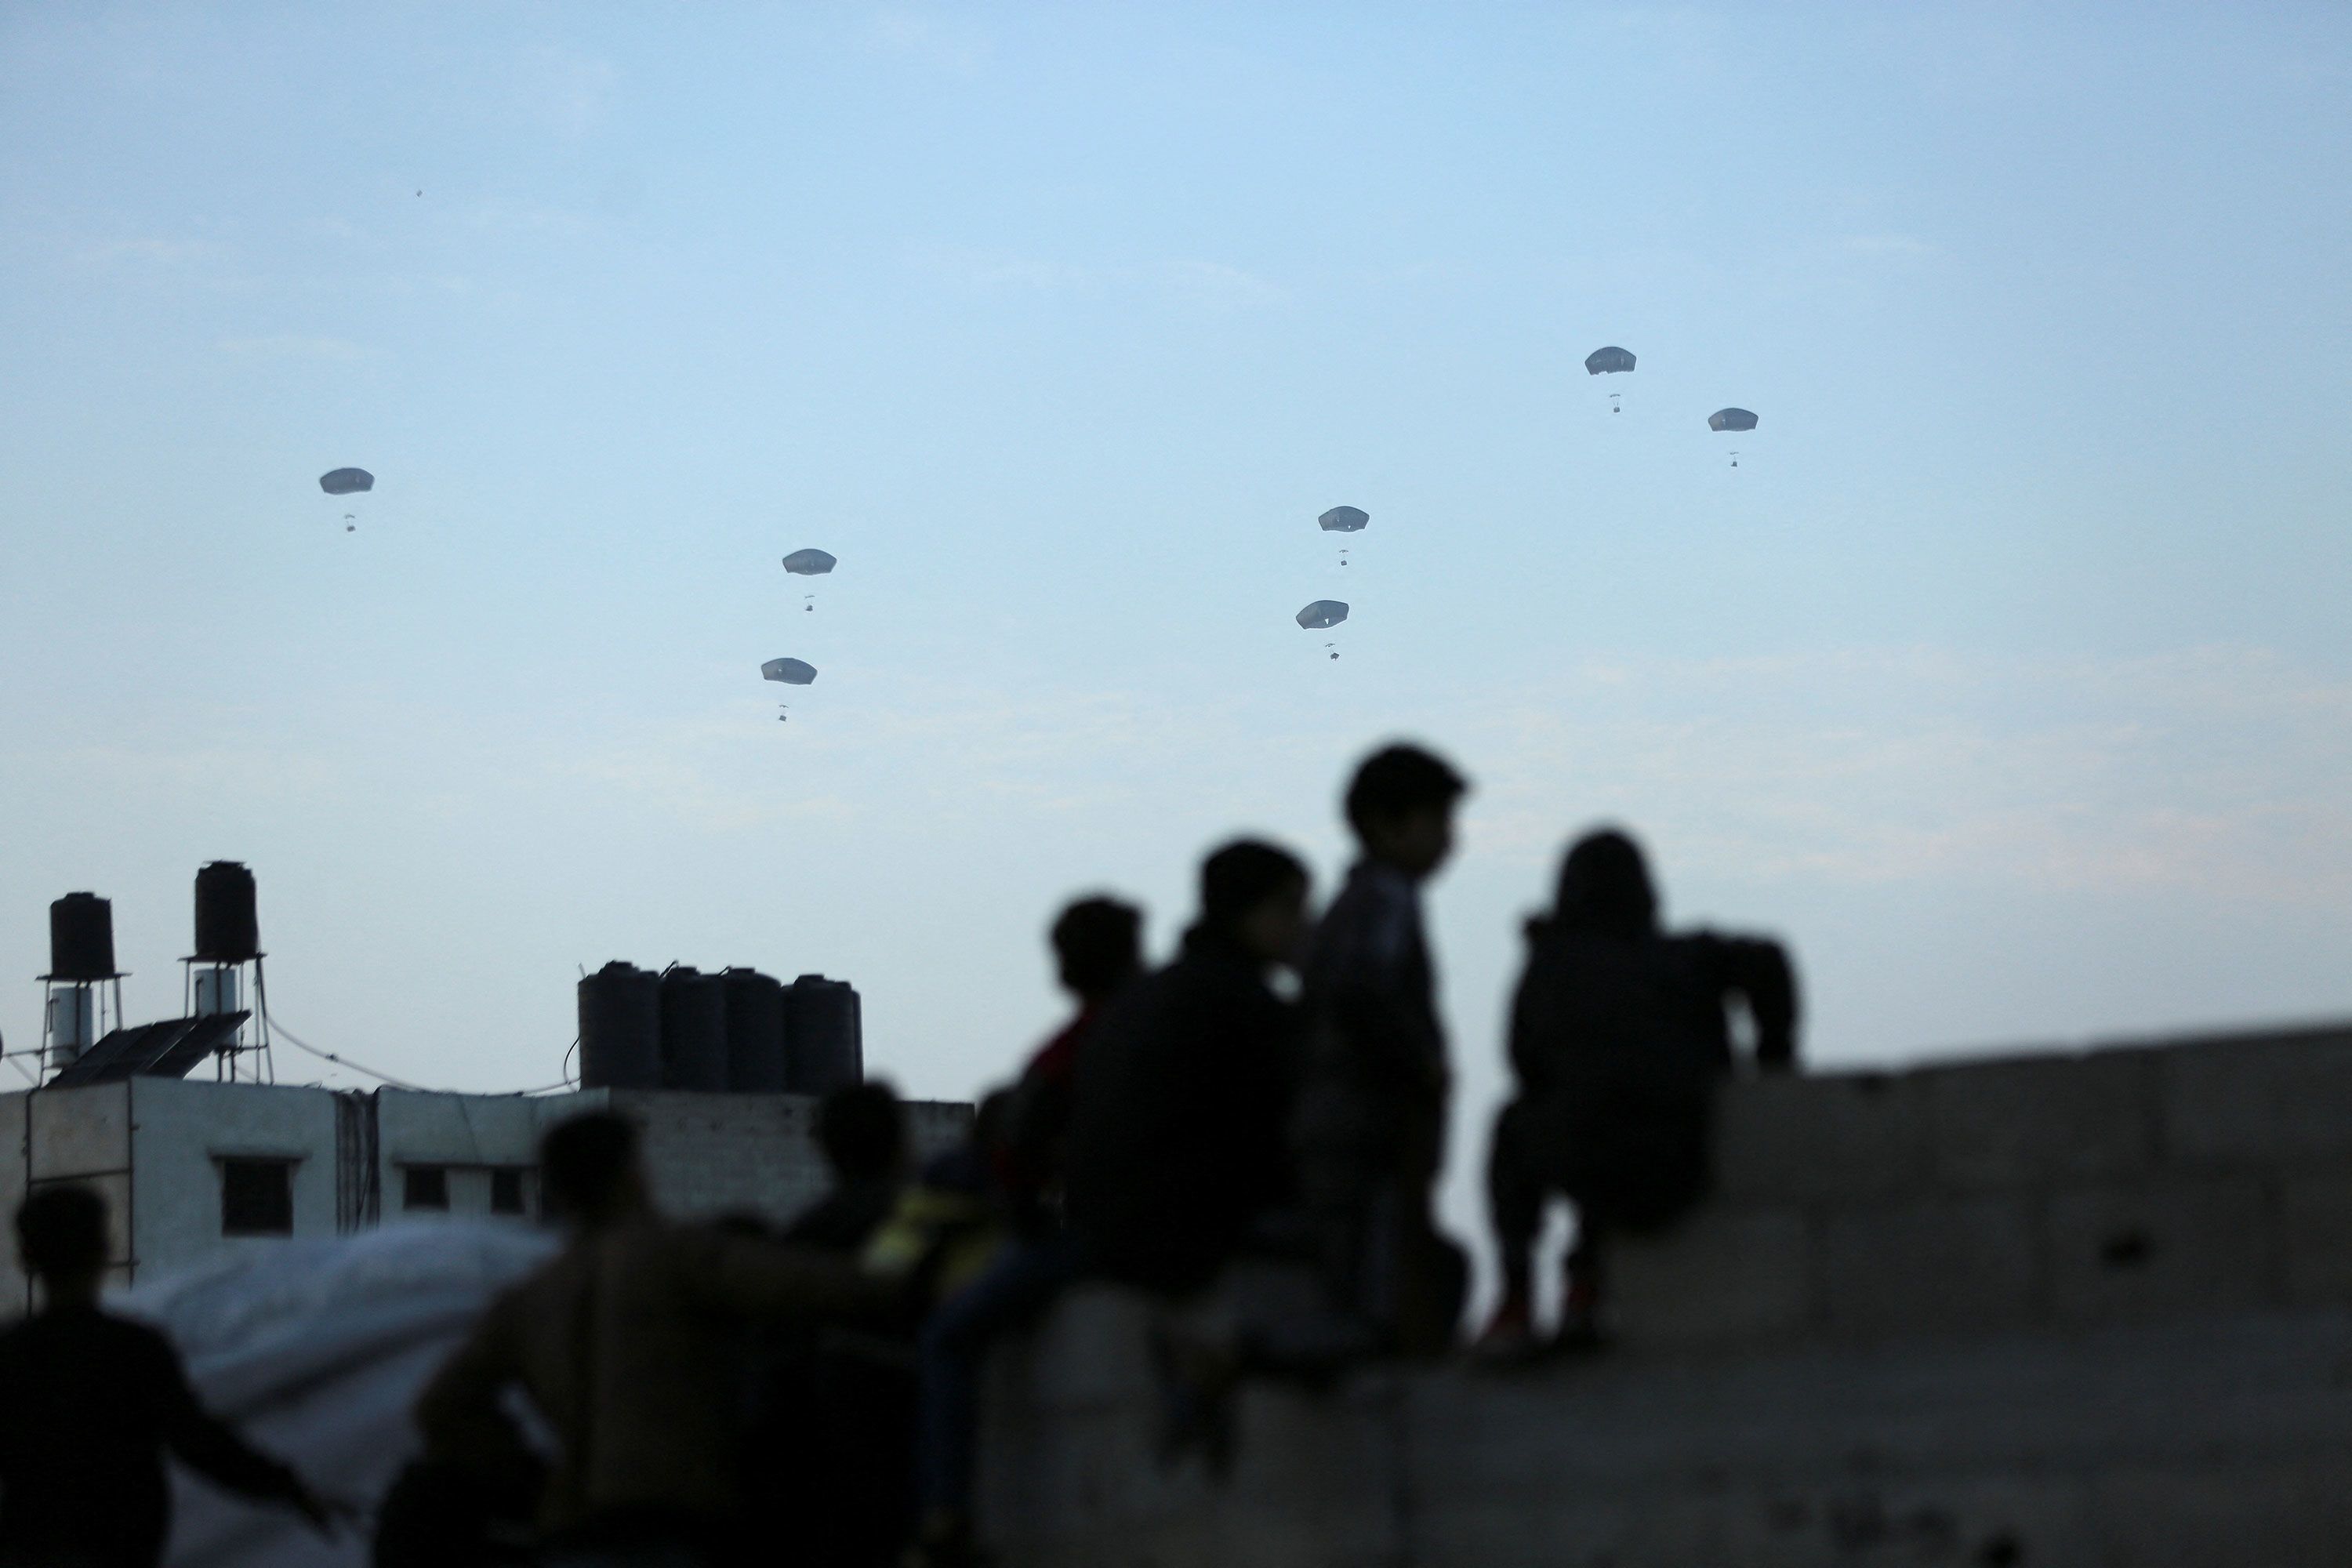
{"x":189,"y":1167}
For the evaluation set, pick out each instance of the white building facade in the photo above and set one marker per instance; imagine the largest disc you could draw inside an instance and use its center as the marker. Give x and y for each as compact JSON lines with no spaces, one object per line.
{"x":189,"y":1167}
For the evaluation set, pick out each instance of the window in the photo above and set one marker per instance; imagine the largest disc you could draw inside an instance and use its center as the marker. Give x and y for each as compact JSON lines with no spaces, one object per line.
{"x":424,"y":1187}
{"x":257,"y":1197}
{"x":506,"y":1191}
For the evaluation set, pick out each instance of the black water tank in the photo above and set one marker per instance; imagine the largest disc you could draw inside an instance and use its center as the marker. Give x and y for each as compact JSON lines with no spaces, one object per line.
{"x":81,"y":938}
{"x":824,"y":1044}
{"x":620,"y":1028}
{"x":226,"y":929}
{"x":755,"y":1032}
{"x":693,"y":1030}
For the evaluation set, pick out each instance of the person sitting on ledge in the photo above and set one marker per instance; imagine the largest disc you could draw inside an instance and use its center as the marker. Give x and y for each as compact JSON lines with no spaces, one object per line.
{"x":1619,"y":1034}
{"x":1179,"y":1141}
{"x":1097,"y":950}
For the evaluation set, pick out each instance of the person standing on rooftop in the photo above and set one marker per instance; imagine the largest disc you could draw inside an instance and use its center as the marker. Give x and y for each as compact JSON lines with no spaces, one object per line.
{"x":1371,"y":1130}
{"x":89,"y":1403}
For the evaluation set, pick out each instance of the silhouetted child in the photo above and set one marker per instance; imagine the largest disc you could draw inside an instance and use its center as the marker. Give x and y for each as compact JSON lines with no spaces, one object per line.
{"x":1619,"y":1036}
{"x":861,"y":1128}
{"x":1097,"y":950}
{"x":1371,"y":1121}
{"x":88,"y":1405}
{"x":1178,"y":1141}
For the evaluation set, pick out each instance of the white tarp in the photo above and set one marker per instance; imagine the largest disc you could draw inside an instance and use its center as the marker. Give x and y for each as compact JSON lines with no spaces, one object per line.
{"x":317,"y":1351}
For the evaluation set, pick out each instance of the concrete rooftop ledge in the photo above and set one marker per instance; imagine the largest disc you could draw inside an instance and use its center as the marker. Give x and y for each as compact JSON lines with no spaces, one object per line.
{"x":2083,"y":1310}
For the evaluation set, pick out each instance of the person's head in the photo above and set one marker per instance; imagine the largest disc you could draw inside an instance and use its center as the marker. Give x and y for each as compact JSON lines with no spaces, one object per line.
{"x":590,"y":1171}
{"x":1254,"y":894}
{"x":61,"y":1238}
{"x":1098,"y":946}
{"x":1400,"y":804}
{"x":1604,"y":887}
{"x":863,"y":1131}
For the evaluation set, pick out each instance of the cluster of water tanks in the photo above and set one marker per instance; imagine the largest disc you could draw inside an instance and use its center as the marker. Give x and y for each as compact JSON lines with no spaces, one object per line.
{"x":737,"y":1030}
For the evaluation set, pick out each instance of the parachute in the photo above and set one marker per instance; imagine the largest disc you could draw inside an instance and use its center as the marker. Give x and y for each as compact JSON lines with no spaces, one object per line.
{"x":1731,"y":419}
{"x":1322,"y":615}
{"x":1344,"y":520}
{"x":1607,"y":362}
{"x":809,"y":564}
{"x":790,"y":671}
{"x":347,"y":482}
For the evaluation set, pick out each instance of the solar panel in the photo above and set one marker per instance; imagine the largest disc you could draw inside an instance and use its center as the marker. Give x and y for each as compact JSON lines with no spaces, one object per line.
{"x":204,"y":1035}
{"x":165,"y":1049}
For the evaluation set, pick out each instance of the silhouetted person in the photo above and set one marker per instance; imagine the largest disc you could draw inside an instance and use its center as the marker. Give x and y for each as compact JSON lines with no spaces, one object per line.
{"x":861,"y":1128}
{"x":88,"y":1405}
{"x":1097,"y":951}
{"x":829,"y":1456}
{"x":630,"y":1345}
{"x":1177,"y":1136}
{"x":1619,"y":1034}
{"x":1371,"y":1123}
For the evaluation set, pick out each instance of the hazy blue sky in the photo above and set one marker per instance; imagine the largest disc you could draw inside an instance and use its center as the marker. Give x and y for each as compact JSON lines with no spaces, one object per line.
{"x":2009,"y":677}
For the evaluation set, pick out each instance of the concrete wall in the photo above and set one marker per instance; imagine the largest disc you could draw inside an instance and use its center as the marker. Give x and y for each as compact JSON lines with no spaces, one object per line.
{"x":2092,"y":1308}
{"x":470,"y":1136}
{"x":152,"y":1148}
{"x":707,"y":1154}
{"x":182,"y":1130}
{"x":752,"y":1153}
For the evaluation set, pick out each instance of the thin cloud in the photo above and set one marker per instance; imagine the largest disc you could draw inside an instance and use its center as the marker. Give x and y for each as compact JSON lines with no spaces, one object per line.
{"x":995,"y":270}
{"x":157,"y":251}
{"x":567,"y":91}
{"x":2213,"y":773}
{"x":1215,"y":284}
{"x":292,"y":345}
{"x":1888,"y":245}
{"x":958,"y":50}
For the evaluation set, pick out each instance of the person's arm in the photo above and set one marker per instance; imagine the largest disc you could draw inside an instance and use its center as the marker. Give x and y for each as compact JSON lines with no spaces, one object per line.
{"x":767,"y":1281}
{"x":212,"y":1448}
{"x":1759,"y":969}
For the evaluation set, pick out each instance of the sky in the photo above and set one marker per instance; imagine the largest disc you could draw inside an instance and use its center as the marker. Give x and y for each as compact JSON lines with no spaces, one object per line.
{"x":2008,"y":676}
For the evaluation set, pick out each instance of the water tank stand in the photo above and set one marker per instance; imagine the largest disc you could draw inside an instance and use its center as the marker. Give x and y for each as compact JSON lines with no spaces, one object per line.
{"x":215,"y":986}
{"x":92,"y":1007}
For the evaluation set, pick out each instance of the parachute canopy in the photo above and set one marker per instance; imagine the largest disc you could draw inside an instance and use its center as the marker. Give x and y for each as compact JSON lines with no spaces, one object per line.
{"x":1605,"y":362}
{"x":344,"y":481}
{"x":1344,"y":520}
{"x":790,"y":671}
{"x":1323,"y":613}
{"x":809,"y":564}
{"x":1731,"y":419}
